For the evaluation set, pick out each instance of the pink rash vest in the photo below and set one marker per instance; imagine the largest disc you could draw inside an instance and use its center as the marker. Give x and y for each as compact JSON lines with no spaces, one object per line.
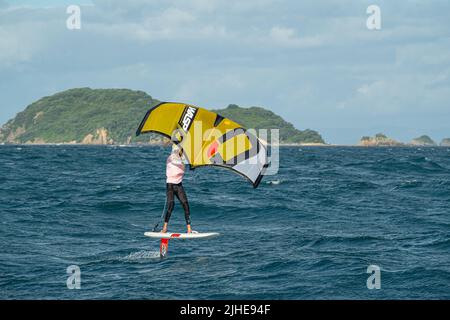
{"x":174,"y":169}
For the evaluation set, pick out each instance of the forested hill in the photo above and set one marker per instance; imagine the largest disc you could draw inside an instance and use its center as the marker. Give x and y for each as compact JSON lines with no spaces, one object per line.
{"x":111,"y":116}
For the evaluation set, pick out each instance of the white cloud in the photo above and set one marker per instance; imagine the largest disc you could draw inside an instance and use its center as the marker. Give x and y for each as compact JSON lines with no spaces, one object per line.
{"x":19,"y":43}
{"x":288,"y":37}
{"x":369,"y":90}
{"x":11,"y":51}
{"x":400,"y":94}
{"x":282,"y":34}
{"x":424,"y":54}
{"x":170,"y":24}
{"x":210,"y":85}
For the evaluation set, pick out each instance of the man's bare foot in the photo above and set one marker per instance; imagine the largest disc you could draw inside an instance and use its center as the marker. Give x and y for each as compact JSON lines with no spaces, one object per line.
{"x":189,"y":230}
{"x":164,"y":229}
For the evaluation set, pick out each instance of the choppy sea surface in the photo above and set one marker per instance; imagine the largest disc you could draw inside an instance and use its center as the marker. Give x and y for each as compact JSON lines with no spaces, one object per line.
{"x":309,"y":232}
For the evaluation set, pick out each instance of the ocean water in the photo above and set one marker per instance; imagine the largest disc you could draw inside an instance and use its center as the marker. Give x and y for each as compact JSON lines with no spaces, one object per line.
{"x":309,"y":232}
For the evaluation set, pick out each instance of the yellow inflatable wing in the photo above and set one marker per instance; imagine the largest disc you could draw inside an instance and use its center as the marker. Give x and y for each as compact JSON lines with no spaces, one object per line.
{"x":208,"y":139}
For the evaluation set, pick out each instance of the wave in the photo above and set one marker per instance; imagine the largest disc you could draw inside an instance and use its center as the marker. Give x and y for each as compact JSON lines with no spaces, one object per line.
{"x":141,"y":255}
{"x":310,"y":231}
{"x":115,"y":205}
{"x":407,"y":184}
{"x":420,"y":164}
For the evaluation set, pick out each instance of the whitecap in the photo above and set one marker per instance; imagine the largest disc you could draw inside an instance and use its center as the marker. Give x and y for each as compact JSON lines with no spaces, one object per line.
{"x":141,"y":255}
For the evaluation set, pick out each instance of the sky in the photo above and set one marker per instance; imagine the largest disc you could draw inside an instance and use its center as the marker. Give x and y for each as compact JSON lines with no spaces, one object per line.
{"x":315,"y":63}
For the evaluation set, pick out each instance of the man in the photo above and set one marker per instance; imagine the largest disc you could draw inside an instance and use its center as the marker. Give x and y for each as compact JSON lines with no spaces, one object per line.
{"x":175,"y":172}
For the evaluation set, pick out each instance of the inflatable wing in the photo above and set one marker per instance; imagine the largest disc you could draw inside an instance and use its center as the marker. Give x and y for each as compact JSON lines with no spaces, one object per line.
{"x":208,"y":139}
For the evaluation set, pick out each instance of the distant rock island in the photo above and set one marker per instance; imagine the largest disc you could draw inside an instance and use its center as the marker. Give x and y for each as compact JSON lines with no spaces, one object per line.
{"x":111,"y":116}
{"x":423,"y":141}
{"x":379,"y":140}
{"x":445,"y":142}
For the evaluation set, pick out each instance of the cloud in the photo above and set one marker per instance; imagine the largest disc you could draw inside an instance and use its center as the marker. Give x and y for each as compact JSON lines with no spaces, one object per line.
{"x":168,"y":24}
{"x":192,"y":88}
{"x":287,"y":37}
{"x":424,"y":55}
{"x":11,"y":51}
{"x":303,"y":59}
{"x":400,"y":94}
{"x":19,"y":43}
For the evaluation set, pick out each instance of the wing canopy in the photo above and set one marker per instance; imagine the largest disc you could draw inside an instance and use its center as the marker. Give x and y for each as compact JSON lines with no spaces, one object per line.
{"x":208,"y":139}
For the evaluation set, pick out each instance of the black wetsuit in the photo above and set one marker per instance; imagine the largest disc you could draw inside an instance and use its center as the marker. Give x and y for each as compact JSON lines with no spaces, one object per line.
{"x":178,"y":191}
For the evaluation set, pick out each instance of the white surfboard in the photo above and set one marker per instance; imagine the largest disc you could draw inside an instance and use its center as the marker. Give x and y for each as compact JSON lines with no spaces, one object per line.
{"x":172,"y":235}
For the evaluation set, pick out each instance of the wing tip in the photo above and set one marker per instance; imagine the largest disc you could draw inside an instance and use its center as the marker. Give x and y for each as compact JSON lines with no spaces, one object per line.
{"x":141,"y":126}
{"x":257,"y":181}
{"x":261,"y":175}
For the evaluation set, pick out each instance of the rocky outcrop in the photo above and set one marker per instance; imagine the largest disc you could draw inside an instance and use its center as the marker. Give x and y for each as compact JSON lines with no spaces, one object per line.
{"x":379,"y":140}
{"x":15,"y":134}
{"x":423,"y":141}
{"x":100,"y":137}
{"x":36,"y":141}
{"x":445,"y":142}
{"x":38,"y":116}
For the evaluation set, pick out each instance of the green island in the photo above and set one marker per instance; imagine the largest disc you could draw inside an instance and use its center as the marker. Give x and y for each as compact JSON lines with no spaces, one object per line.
{"x":111,"y":116}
